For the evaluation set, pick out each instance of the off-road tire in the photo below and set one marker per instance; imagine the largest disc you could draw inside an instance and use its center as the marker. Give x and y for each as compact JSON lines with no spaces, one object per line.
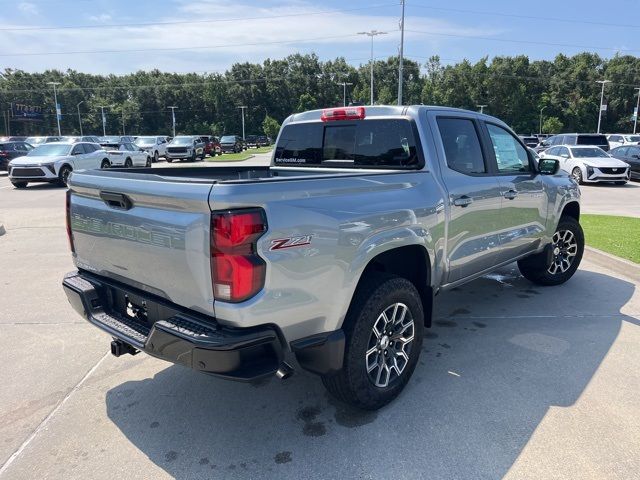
{"x":374,"y":295}
{"x":536,"y":268}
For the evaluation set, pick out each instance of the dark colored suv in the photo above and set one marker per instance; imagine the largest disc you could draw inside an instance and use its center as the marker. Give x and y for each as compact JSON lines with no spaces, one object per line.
{"x":595,"y":139}
{"x":231,"y":144}
{"x":11,"y":150}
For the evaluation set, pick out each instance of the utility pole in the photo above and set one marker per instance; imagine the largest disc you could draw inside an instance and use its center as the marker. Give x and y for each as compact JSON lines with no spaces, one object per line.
{"x":173,"y":119}
{"x":635,"y":117}
{"x":372,"y":34}
{"x":481,"y":107}
{"x":79,"y":117}
{"x":122,"y":112}
{"x":242,"y":109}
{"x":104,"y":119}
{"x":603,"y":82}
{"x":55,"y":99}
{"x":344,"y":92}
{"x":541,"y":110}
{"x":400,"y":66}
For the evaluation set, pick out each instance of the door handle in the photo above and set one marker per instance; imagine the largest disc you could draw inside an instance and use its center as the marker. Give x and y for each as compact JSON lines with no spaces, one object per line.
{"x":463,"y":201}
{"x":511,"y":194}
{"x":116,"y":200}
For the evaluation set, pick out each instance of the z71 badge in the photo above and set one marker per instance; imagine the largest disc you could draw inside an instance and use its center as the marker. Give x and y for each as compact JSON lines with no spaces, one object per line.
{"x":283,"y":243}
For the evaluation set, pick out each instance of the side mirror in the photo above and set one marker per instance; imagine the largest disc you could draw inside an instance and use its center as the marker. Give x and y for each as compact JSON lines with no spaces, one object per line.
{"x":548,"y":166}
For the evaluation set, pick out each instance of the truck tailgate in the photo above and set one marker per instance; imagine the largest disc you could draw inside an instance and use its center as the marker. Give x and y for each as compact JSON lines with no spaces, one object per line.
{"x":148,"y":234}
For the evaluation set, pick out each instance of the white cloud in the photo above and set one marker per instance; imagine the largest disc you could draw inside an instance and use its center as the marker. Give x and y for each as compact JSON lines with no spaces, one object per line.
{"x":330,"y":35}
{"x":28,"y":8}
{"x":102,"y":18}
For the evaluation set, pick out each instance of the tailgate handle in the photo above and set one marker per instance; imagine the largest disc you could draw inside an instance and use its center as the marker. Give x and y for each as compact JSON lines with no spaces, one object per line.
{"x":116,"y":200}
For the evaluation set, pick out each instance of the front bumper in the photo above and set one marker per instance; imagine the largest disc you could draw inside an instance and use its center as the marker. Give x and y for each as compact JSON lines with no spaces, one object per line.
{"x":166,"y":331}
{"x":595,"y":174}
{"x":33,"y":173}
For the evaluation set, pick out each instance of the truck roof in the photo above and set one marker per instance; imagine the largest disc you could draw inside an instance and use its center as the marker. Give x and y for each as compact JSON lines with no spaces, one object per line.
{"x":384,"y":111}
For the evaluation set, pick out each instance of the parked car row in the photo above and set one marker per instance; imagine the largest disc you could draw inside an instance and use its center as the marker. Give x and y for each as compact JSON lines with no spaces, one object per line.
{"x":594,"y":158}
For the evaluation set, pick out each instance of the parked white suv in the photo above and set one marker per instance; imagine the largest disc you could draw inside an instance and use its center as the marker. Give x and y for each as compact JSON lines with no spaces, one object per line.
{"x":156,"y":146}
{"x":54,"y":162}
{"x":129,"y":155}
{"x":620,"y":139}
{"x":589,"y":164}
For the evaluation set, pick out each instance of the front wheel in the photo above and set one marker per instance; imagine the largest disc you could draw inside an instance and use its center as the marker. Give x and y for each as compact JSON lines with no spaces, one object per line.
{"x":169,"y":160}
{"x":19,"y":184}
{"x":63,"y":175}
{"x":559,"y":265}
{"x":155,"y":156}
{"x":383,"y":330}
{"x":148,"y":162}
{"x":621,"y":183}
{"x":193,"y":157}
{"x":576,"y":174}
{"x":128,"y":163}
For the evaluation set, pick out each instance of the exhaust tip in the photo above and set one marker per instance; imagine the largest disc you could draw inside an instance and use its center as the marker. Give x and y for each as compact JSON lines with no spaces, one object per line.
{"x":285,"y":371}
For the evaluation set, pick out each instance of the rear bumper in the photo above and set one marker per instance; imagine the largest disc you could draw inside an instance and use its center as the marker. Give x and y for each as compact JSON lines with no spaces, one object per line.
{"x":168,"y":332}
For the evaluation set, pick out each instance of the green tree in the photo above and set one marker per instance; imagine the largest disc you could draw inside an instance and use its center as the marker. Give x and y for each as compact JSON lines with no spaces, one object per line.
{"x":270,"y":127}
{"x":552,"y":125}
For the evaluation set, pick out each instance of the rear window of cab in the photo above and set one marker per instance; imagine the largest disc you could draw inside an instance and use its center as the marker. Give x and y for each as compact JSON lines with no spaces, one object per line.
{"x":383,"y":143}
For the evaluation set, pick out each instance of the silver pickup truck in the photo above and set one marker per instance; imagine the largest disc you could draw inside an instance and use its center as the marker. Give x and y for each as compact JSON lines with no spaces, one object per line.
{"x":330,"y":258}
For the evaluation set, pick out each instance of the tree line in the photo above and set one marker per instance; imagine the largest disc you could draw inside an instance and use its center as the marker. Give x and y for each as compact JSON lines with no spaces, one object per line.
{"x":515,"y":89}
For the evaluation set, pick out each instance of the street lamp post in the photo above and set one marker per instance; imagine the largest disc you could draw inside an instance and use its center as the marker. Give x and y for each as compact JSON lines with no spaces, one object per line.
{"x":372,"y":34}
{"x":401,"y":56}
{"x":541,"y":110}
{"x":344,"y":92}
{"x":603,"y":82}
{"x":635,"y":119}
{"x":104,"y":119}
{"x":55,"y":99}
{"x":242,"y":109}
{"x":173,"y":119}
{"x":79,"y":117}
{"x":481,"y":107}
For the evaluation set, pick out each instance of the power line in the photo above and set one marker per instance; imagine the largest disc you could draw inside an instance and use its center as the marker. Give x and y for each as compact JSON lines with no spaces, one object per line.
{"x":527,"y":17}
{"x":191,"y":22}
{"x":530,"y":42}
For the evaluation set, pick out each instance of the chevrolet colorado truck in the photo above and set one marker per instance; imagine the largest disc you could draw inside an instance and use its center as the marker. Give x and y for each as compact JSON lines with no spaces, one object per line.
{"x":330,"y":258}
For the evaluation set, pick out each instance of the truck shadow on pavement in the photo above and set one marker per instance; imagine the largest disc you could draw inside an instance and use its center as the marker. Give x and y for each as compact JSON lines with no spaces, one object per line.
{"x":501,"y":353}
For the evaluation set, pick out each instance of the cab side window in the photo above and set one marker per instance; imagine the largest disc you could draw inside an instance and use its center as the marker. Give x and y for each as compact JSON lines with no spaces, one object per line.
{"x":461,"y":145}
{"x":511,"y":156}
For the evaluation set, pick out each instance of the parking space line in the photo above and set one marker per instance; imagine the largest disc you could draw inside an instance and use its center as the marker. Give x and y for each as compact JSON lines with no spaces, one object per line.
{"x":44,"y":422}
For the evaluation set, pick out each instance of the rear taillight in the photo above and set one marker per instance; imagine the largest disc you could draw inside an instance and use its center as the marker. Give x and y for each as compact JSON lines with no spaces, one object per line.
{"x":344,"y":113}
{"x":237,"y":272}
{"x":68,"y":217}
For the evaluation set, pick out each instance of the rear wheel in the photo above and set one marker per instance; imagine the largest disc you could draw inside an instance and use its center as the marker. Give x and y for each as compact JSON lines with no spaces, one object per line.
{"x":576,"y":174}
{"x":19,"y":184}
{"x":105,"y":164}
{"x":128,"y":163}
{"x":567,"y":247}
{"x":63,"y":175}
{"x":383,"y":331}
{"x":155,"y":156}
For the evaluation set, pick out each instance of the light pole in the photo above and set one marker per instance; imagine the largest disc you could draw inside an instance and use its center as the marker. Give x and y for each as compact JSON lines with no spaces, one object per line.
{"x":481,"y":107}
{"x":242,"y":109}
{"x":635,"y":119}
{"x":344,"y":92}
{"x":400,"y":63}
{"x":541,"y":110}
{"x":603,"y":82}
{"x":372,"y":34}
{"x":104,"y":119}
{"x":55,"y":99}
{"x":173,"y":119}
{"x":79,"y":117}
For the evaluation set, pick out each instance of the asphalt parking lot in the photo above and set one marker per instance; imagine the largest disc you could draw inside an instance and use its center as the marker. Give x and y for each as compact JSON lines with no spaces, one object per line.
{"x":515,"y":381}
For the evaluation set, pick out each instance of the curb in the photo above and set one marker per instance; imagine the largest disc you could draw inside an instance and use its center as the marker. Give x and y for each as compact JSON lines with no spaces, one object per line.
{"x":611,"y":262}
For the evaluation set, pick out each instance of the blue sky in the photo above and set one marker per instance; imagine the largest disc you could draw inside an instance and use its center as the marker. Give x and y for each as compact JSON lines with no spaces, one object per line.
{"x":201,"y":35}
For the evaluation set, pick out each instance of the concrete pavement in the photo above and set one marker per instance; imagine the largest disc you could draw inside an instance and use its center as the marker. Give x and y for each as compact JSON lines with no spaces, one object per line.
{"x":515,"y":381}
